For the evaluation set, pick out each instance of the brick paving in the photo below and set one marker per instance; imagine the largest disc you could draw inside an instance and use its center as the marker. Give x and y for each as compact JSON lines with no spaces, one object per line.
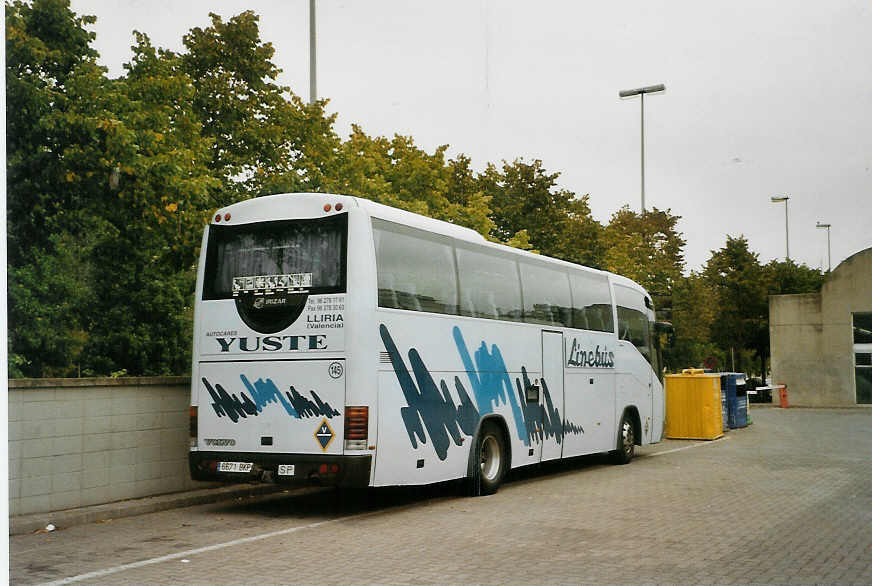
{"x":787,"y":500}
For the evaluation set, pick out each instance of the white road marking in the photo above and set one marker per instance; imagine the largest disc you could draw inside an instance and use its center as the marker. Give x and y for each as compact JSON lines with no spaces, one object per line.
{"x":199,"y":550}
{"x":696,"y":445}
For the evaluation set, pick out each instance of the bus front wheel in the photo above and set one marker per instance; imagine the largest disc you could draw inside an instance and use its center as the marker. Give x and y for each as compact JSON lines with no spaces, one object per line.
{"x":626,"y":441}
{"x":488,"y":461}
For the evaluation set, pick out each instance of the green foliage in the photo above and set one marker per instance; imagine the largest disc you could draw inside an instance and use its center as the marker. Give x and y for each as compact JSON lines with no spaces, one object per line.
{"x":264,"y":139}
{"x":694,"y":308}
{"x":397,"y":173}
{"x":49,"y":63}
{"x":107,"y":192}
{"x":646,"y":248}
{"x":787,"y":277}
{"x":735,"y":275}
{"x":47,"y":331}
{"x":524,"y":196}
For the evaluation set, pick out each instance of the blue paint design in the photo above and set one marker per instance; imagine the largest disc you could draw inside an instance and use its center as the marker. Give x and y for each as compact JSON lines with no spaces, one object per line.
{"x":490,"y":381}
{"x":431,"y":407}
{"x":267,"y":392}
{"x":262,"y":393}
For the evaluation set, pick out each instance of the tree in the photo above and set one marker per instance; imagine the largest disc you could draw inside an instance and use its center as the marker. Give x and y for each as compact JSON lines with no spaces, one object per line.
{"x":108,"y":186}
{"x":48,"y":54}
{"x":397,"y":173}
{"x":153,"y":216}
{"x":739,"y":282}
{"x":694,"y":308}
{"x":787,"y":277}
{"x":525,"y":197}
{"x":647,"y":248}
{"x":264,"y":139}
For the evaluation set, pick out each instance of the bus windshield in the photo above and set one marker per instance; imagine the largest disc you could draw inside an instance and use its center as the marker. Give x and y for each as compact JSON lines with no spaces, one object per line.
{"x":305,"y":253}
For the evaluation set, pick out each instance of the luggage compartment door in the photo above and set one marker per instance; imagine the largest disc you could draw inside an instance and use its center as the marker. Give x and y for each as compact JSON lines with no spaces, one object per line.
{"x":281,"y":406}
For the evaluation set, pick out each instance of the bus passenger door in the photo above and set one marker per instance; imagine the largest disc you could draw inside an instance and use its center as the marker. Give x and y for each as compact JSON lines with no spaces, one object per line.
{"x":551,"y":395}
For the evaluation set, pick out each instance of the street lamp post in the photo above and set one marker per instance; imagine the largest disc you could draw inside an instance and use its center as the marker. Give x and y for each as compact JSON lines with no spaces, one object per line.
{"x":313,"y":88}
{"x":829,"y":257}
{"x":779,"y":199}
{"x":641,"y":91}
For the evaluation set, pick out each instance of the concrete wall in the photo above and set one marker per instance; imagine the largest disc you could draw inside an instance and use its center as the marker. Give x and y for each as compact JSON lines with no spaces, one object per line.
{"x":78,"y":442}
{"x":811,"y":335}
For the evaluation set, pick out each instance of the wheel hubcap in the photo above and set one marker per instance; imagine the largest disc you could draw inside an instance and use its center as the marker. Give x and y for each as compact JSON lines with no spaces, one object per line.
{"x":490,"y":458}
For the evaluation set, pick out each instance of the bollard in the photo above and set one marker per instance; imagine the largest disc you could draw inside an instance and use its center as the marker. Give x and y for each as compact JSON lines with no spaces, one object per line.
{"x":782,"y":395}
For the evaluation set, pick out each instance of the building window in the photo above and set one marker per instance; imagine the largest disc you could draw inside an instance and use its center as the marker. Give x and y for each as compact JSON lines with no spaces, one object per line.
{"x":862,"y":323}
{"x":863,"y":328}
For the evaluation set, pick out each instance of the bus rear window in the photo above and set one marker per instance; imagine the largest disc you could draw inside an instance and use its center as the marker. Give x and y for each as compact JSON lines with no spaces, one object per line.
{"x":311,"y":251}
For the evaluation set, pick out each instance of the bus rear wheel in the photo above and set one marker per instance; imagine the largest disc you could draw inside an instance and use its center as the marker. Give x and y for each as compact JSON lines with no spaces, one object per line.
{"x":626,"y":441}
{"x":489,"y":461}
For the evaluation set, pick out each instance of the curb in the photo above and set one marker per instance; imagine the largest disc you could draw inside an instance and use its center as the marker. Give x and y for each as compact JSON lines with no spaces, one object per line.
{"x":22,"y":524}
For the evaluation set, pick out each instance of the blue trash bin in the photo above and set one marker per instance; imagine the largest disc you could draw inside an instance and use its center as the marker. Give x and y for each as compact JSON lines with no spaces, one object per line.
{"x":741,"y":410}
{"x":728,"y":387}
{"x":743,"y":416}
{"x":734,"y":385}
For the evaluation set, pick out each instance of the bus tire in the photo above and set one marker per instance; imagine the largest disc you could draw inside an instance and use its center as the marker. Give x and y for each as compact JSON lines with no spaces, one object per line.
{"x":626,"y":441}
{"x":488,"y":462}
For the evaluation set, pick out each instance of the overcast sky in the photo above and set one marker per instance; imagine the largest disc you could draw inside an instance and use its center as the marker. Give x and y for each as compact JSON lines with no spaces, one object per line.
{"x":762,"y":98}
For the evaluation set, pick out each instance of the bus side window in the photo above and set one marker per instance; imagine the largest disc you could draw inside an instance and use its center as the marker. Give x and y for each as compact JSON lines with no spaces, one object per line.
{"x":633,"y":319}
{"x":489,"y":284}
{"x":591,"y":302}
{"x":387,"y":291}
{"x":546,"y":295}
{"x":415,"y":269}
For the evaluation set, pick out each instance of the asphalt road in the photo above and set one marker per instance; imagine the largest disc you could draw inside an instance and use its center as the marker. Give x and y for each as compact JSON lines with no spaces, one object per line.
{"x":786,"y":500}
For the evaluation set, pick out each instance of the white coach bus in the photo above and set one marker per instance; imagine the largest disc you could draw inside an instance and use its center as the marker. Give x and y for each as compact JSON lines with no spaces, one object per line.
{"x":344,"y":342}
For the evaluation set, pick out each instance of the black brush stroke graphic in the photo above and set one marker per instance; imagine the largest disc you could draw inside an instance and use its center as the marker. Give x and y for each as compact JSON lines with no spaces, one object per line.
{"x":236,"y":407}
{"x":429,"y":406}
{"x":226,"y":404}
{"x":306,"y":408}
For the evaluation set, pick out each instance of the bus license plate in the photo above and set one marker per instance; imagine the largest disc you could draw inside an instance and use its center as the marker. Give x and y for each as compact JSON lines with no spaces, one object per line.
{"x":234,"y":466}
{"x":286,"y":469}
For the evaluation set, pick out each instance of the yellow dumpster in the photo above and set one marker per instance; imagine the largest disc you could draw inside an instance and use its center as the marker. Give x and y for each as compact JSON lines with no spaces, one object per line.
{"x":693,"y":405}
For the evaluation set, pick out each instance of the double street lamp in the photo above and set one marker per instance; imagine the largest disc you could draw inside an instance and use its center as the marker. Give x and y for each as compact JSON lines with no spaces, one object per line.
{"x":641,"y":91}
{"x":779,"y":199}
{"x":829,"y":257}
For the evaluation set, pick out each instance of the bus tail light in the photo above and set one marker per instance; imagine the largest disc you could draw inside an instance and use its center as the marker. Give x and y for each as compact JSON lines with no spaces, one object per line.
{"x":356,"y":427}
{"x":193,"y":425}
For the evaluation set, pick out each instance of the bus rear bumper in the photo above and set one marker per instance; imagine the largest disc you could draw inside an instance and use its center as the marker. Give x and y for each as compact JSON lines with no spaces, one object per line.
{"x":323,"y":469}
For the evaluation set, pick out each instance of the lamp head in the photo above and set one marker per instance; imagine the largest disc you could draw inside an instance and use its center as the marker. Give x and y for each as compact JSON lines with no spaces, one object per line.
{"x":779,"y":198}
{"x":649,"y":89}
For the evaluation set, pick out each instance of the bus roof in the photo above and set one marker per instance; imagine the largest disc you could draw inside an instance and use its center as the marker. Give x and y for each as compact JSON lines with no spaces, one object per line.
{"x":284,"y":204}
{"x":414,"y":220}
